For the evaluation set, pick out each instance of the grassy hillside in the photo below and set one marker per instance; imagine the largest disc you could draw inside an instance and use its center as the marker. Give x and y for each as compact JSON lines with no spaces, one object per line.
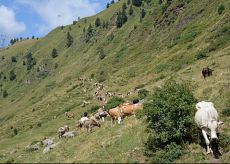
{"x":174,"y":39}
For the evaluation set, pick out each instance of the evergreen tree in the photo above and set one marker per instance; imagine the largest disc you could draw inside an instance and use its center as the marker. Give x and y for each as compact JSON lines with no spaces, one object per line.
{"x":30,"y":61}
{"x":131,"y":10}
{"x":98,"y":22}
{"x":69,"y":40}
{"x":112,"y":2}
{"x":143,"y":13}
{"x":107,"y":6}
{"x":89,"y":33}
{"x":33,"y":37}
{"x":54,"y":53}
{"x":12,"y":75}
{"x":128,"y":2}
{"x":121,"y":19}
{"x":124,"y":7}
{"x":13,"y":59}
{"x":4,"y":94}
{"x":137,"y":3}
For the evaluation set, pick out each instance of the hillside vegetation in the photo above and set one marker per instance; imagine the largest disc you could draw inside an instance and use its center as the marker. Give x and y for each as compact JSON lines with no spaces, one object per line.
{"x":159,"y":40}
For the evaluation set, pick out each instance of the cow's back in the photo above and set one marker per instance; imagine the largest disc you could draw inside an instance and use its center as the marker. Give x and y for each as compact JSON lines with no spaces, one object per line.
{"x":205,"y":113}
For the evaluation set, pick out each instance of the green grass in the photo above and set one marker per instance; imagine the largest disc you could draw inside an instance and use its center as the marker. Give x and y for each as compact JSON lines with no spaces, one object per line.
{"x":145,"y":55}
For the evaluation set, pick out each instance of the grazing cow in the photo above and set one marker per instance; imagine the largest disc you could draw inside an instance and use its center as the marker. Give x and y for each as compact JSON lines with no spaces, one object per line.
{"x":62,"y":130}
{"x":101,"y":114}
{"x":115,"y":114}
{"x":207,"y":72}
{"x":130,"y":109}
{"x":69,"y":115}
{"x":206,"y":118}
{"x":89,"y":124}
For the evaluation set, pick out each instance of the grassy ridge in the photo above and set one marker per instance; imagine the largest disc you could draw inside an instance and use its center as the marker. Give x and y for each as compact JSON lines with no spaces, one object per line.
{"x":164,"y":44}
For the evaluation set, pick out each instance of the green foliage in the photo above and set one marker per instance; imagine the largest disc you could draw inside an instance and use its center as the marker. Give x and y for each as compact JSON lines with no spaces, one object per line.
{"x":169,"y":154}
{"x":12,"y":75}
{"x":143,"y":93}
{"x":89,"y":33}
{"x":224,"y":142}
{"x":4,"y":94}
{"x":201,"y":55}
{"x":137,"y":3}
{"x":15,"y":131}
{"x":74,"y":22}
{"x":105,"y":24}
{"x":121,"y":19}
{"x":143,"y":13}
{"x":94,"y":108}
{"x":128,"y":2}
{"x":30,"y":61}
{"x":170,"y":116}
{"x":54,"y":53}
{"x":97,"y":22}
{"x":107,"y":5}
{"x":114,"y":102}
{"x":131,"y":10}
{"x":226,"y":112}
{"x":221,"y":8}
{"x":124,"y":6}
{"x":101,"y":53}
{"x":13,"y":59}
{"x":69,"y":40}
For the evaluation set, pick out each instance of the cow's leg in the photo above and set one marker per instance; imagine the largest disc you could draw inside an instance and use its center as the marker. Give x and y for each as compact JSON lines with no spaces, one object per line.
{"x":103,"y":119}
{"x":119,"y":120}
{"x":111,"y":121}
{"x":209,"y":150}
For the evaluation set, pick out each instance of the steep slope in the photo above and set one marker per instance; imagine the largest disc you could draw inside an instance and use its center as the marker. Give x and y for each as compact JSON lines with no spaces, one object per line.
{"x":173,"y":39}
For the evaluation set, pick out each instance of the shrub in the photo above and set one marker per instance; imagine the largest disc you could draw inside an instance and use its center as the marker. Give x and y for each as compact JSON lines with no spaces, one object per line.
{"x":74,"y":22}
{"x":226,"y":112}
{"x":131,"y":10}
{"x":98,"y":22}
{"x":54,"y":53}
{"x":94,"y":108}
{"x":224,"y":142}
{"x":201,"y":55}
{"x":114,"y":102}
{"x":101,"y":53}
{"x":221,"y":8}
{"x":143,"y":93}
{"x":12,"y":75}
{"x":69,"y":40}
{"x":170,"y":116}
{"x":15,"y":131}
{"x":143,"y":13}
{"x":137,"y":3}
{"x":30,"y":61}
{"x":4,"y":94}
{"x":39,"y":124}
{"x":13,"y":59}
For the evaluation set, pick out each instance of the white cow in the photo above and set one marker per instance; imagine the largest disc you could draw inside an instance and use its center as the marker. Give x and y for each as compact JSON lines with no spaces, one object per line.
{"x":206,"y":118}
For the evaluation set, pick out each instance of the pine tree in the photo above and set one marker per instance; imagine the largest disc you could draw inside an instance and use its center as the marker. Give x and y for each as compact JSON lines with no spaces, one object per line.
{"x":124,"y":7}
{"x":107,"y":6}
{"x":131,"y":10}
{"x":69,"y":40}
{"x":128,"y":2}
{"x":143,"y":13}
{"x":54,"y":53}
{"x":98,"y":22}
{"x":137,"y":3}
{"x":12,"y":75}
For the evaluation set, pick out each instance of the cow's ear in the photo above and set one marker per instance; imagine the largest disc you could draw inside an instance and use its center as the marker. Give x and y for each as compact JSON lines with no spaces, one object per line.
{"x":220,"y":123}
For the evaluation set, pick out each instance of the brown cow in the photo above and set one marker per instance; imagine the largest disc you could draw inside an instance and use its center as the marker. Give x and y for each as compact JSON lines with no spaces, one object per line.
{"x":207,"y":72}
{"x":62,"y":131}
{"x":130,"y":109}
{"x":89,"y":124}
{"x":115,"y":114}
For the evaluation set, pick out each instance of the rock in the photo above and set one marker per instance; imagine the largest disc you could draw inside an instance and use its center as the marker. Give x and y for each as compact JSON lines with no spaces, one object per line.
{"x":48,"y":142}
{"x":69,"y":134}
{"x":32,"y":147}
{"x":49,"y":147}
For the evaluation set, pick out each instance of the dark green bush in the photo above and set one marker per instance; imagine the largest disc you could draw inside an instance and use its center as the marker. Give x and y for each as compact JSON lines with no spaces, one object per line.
{"x":226,"y":112}
{"x":137,"y":3}
{"x":54,"y":53}
{"x":4,"y":94}
{"x":94,"y":108}
{"x":13,"y":59}
{"x":12,"y":75}
{"x":114,"y":102}
{"x":224,"y":142}
{"x":201,"y":55}
{"x":170,"y":115}
{"x":143,"y":93}
{"x":15,"y":131}
{"x":221,"y":8}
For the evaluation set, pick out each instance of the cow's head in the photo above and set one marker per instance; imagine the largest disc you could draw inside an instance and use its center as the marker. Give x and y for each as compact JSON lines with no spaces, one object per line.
{"x":214,"y":126}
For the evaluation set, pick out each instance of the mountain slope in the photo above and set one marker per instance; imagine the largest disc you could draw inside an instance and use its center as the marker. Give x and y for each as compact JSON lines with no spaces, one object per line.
{"x":174,"y":39}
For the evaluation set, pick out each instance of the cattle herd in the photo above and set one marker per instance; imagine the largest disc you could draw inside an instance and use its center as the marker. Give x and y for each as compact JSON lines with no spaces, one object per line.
{"x":206,"y":116}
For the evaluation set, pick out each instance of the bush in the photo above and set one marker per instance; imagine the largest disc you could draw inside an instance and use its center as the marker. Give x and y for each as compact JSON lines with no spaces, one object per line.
{"x":226,"y":112}
{"x":4,"y":94}
{"x":69,"y":40}
{"x":170,"y":116}
{"x":13,"y":59}
{"x":15,"y":131}
{"x":54,"y":53}
{"x":101,"y":53}
{"x":98,"y":22}
{"x":94,"y":108}
{"x":137,"y":3}
{"x":114,"y":102}
{"x":30,"y":61}
{"x":201,"y":55}
{"x":221,"y":8}
{"x":143,"y":93}
{"x":12,"y":75}
{"x":224,"y":142}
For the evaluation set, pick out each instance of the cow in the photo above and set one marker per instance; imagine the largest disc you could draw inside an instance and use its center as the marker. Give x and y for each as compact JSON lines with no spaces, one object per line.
{"x":130,"y":109}
{"x":207,"y":72}
{"x":89,"y":124}
{"x":101,"y":114}
{"x":115,"y":114}
{"x":206,"y":118}
{"x":62,"y":131}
